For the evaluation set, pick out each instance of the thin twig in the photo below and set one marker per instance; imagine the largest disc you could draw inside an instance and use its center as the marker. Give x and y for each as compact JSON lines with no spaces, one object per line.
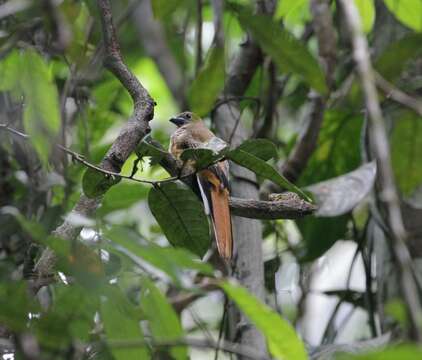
{"x":397,"y":95}
{"x":381,"y":150}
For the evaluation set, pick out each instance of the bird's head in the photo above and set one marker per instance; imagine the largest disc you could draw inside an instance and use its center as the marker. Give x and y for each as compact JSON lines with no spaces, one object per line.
{"x":184,"y":118}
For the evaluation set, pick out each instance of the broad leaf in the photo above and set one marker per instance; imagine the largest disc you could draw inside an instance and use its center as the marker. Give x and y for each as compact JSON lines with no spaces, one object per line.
{"x":28,"y":77}
{"x":146,"y":148}
{"x":282,"y":339}
{"x":163,"y":320}
{"x":261,"y":148}
{"x":122,"y":196}
{"x":288,"y":53}
{"x":181,"y":216}
{"x":261,"y":168}
{"x":408,"y":12}
{"x":394,"y":59}
{"x":209,"y":82}
{"x":163,"y":9}
{"x":96,"y":183}
{"x":406,"y":150}
{"x":340,"y":195}
{"x":202,"y":157}
{"x":171,"y":261}
{"x":121,"y":322}
{"x":367,"y":13}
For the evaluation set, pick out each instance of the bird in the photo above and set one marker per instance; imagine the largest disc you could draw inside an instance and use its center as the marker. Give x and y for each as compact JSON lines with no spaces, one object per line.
{"x":212,"y":182}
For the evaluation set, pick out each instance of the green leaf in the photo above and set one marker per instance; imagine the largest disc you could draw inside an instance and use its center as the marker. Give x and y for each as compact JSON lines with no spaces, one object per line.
{"x":293,"y":12}
{"x":367,"y":13}
{"x":394,"y":59}
{"x":170,"y":260}
{"x":163,"y":9}
{"x":261,"y":148}
{"x":41,"y":117}
{"x":290,"y":54}
{"x":402,"y":352}
{"x":122,"y":196}
{"x":163,"y":320}
{"x":96,"y":183}
{"x":202,"y":157}
{"x":406,"y":151}
{"x":10,"y":72}
{"x":68,"y":318}
{"x":282,"y":339}
{"x":408,"y":12}
{"x":181,"y":216}
{"x":15,"y":304}
{"x":261,"y":168}
{"x":122,"y":323}
{"x":146,"y":148}
{"x":209,"y":82}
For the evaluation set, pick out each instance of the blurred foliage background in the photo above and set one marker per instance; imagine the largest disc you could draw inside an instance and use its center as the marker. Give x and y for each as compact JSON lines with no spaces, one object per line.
{"x":120,"y":289}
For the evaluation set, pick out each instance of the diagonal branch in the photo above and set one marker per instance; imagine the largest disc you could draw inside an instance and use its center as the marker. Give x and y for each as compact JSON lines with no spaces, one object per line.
{"x":127,"y":140}
{"x":380,"y":147}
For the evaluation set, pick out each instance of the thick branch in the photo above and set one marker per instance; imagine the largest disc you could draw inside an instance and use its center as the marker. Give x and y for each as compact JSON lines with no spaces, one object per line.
{"x":380,"y":148}
{"x":130,"y":135}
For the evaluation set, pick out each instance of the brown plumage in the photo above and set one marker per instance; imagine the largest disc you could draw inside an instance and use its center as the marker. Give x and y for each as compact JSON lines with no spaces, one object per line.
{"x":212,"y":182}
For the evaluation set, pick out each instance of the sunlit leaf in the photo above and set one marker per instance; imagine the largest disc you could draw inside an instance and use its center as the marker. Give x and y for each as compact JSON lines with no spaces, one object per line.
{"x":122,"y":196}
{"x":290,"y":54}
{"x":41,"y":117}
{"x":282,"y":339}
{"x":408,"y":12}
{"x":95,"y":183}
{"x":181,"y":216}
{"x":367,"y":13}
{"x":163,"y":321}
{"x":122,"y":323}
{"x":209,"y":82}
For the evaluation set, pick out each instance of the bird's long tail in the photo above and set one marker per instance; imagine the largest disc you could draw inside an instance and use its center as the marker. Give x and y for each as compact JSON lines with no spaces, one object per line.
{"x":222,"y":222}
{"x":215,"y":196}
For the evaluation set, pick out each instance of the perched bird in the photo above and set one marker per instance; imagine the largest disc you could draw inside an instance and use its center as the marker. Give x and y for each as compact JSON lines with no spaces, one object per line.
{"x":213,"y":181}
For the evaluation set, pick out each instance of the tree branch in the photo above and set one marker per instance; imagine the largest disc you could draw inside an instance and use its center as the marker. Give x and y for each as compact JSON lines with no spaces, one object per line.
{"x":127,"y":140}
{"x":380,"y":148}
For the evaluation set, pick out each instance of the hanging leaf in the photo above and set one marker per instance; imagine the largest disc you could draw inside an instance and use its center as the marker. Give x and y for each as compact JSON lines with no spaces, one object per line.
{"x":408,"y":12}
{"x":171,"y":261}
{"x":147,"y":148}
{"x":340,"y":195}
{"x":290,"y":54}
{"x":95,"y":183}
{"x":163,"y":320}
{"x":121,"y":322}
{"x":181,"y":216}
{"x":261,"y":168}
{"x":367,"y":13}
{"x":209,"y":83}
{"x":283,"y":342}
{"x":261,"y":148}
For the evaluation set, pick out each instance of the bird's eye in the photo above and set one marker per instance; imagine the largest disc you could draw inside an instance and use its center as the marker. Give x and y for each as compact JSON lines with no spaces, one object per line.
{"x":188,"y":116}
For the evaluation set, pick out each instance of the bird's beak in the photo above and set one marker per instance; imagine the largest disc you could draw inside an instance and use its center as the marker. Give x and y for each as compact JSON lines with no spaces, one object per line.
{"x":178,"y":121}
